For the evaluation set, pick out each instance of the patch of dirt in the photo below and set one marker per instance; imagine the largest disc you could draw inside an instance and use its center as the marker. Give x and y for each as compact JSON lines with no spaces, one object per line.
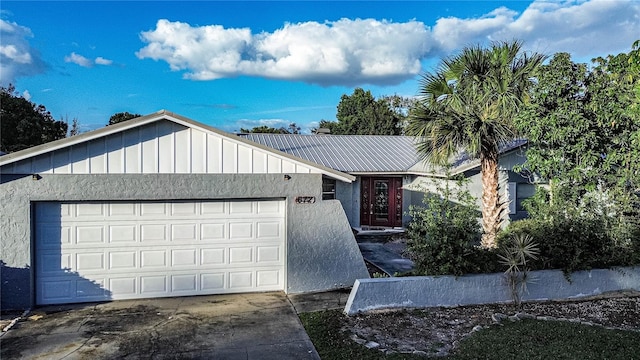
{"x":436,"y":331}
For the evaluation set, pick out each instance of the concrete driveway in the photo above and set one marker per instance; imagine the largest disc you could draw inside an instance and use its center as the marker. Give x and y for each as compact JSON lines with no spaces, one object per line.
{"x":239,"y":326}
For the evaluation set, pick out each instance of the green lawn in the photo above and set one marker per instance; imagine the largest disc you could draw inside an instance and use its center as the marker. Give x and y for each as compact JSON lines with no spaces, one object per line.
{"x":528,"y":339}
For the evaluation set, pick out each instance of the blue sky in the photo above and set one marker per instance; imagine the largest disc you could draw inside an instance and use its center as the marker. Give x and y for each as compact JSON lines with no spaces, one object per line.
{"x":245,"y":64}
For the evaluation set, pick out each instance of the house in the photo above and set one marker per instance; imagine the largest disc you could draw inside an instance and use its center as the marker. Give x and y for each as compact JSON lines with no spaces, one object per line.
{"x":162,"y":206}
{"x":390,"y":176}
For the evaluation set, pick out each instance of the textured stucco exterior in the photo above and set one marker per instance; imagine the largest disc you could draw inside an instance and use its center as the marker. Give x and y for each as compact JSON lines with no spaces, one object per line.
{"x":434,"y":291}
{"x":321,"y":251}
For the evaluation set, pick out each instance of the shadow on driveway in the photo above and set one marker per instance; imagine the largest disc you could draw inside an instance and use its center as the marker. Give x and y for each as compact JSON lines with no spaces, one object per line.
{"x":239,"y":326}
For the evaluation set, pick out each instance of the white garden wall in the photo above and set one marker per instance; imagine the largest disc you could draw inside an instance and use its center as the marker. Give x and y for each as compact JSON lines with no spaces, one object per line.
{"x":433,"y":291}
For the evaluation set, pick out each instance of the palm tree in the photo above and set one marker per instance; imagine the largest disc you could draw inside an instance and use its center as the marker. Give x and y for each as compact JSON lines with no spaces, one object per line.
{"x":469,"y":104}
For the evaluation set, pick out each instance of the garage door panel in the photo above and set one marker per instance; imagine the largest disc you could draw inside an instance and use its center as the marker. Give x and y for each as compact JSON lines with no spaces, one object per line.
{"x":244,"y":207}
{"x":183,"y":232}
{"x":271,"y":229}
{"x":212,"y":231}
{"x":240,"y":230}
{"x":122,"y":209}
{"x":89,"y":234}
{"x":153,"y":233}
{"x":106,"y":251}
{"x":89,"y":210}
{"x":267,"y":278}
{"x":213,"y":282}
{"x":123,"y":233}
{"x":90,"y":261}
{"x":213,"y":208}
{"x":268,"y":254}
{"x":123,"y":260}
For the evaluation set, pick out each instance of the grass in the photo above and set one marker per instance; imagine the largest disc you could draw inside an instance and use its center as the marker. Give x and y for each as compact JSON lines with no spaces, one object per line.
{"x":527,"y":339}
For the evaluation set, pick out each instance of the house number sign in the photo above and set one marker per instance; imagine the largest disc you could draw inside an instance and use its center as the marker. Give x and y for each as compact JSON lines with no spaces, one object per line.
{"x":305,"y":199}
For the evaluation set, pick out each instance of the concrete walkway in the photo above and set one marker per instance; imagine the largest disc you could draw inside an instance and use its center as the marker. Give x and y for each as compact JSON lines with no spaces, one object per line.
{"x":381,"y":255}
{"x":239,"y":326}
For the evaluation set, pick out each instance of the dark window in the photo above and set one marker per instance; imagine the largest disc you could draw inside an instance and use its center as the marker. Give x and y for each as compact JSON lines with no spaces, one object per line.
{"x":328,"y":189}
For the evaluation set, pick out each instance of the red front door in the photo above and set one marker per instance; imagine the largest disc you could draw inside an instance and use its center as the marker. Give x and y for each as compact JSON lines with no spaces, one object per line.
{"x":381,"y":201}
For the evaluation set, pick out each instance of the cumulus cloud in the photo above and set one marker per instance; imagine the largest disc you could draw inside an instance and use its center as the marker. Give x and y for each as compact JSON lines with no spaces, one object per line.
{"x":451,"y":33}
{"x":86,"y":62}
{"x":380,"y":52}
{"x":17,"y":57}
{"x":343,"y":52}
{"x":582,"y":28}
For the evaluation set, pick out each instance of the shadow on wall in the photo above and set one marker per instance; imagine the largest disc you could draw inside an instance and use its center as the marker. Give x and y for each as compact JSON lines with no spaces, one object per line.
{"x":14,"y":282}
{"x":68,"y":286}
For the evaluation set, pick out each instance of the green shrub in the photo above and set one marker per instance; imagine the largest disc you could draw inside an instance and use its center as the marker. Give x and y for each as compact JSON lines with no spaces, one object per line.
{"x":444,"y":235}
{"x":574,"y":241}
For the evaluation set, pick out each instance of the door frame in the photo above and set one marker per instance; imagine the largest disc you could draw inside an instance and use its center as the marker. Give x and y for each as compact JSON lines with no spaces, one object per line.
{"x":394,"y":201}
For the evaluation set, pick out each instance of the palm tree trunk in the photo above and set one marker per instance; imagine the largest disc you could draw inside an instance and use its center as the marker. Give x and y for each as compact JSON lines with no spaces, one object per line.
{"x":491,"y":206}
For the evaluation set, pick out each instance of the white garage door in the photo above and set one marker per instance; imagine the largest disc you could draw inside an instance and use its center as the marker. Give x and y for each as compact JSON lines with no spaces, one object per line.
{"x":123,"y":250}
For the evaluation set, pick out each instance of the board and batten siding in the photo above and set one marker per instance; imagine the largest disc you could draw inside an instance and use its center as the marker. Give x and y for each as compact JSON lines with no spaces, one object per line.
{"x":162,"y":147}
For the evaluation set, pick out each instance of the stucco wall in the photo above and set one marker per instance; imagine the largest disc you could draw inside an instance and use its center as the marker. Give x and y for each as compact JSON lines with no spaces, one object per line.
{"x":321,"y":251}
{"x":434,"y":291}
{"x":346,"y":194}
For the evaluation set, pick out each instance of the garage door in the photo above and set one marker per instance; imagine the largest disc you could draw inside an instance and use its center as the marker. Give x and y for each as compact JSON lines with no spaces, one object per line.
{"x":125,"y":250}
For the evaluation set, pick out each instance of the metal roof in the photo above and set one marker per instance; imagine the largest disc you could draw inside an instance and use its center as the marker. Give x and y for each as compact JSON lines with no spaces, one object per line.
{"x":347,"y":153}
{"x":365,"y":153}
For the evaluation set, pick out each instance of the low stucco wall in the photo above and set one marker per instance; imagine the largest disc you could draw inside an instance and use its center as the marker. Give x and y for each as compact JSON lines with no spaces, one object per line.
{"x":432,"y":291}
{"x":322,"y":253}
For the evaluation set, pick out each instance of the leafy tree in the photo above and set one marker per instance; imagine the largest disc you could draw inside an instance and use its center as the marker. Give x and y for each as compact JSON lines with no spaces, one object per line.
{"x":469,"y":104}
{"x":326,"y":124}
{"x":362,"y":114}
{"x":25,"y":124}
{"x":584,"y":134}
{"x":291,"y":129}
{"x":121,"y":116}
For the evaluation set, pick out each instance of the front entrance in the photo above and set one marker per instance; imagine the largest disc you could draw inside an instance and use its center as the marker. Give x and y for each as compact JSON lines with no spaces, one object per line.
{"x":381,"y":201}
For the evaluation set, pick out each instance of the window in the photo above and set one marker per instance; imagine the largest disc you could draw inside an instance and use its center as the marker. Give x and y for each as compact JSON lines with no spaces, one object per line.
{"x":328,"y":189}
{"x":512,"y":198}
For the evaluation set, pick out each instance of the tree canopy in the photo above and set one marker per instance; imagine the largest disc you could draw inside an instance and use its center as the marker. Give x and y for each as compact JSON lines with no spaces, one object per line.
{"x":362,"y":114}
{"x":25,"y":124}
{"x":469,"y":104}
{"x":291,"y":129}
{"x":583,"y":127}
{"x":121,"y":116}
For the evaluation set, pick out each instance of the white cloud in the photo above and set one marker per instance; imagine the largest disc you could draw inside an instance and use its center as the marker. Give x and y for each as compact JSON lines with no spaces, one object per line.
{"x":86,"y":62}
{"x":341,"y":52}
{"x":26,"y":94}
{"x":17,"y":57}
{"x":582,"y":28}
{"x":78,"y":60}
{"x":593,"y":28}
{"x":452,"y":33}
{"x":102,"y":61}
{"x":250,"y":124}
{"x":379,"y":52}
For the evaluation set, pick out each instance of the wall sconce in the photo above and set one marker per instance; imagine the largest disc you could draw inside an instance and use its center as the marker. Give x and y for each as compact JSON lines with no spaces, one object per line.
{"x":287,"y":177}
{"x":36,"y":177}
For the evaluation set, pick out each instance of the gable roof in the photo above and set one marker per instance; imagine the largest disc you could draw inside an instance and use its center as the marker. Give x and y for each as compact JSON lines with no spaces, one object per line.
{"x":365,"y":154}
{"x":21,"y":159}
